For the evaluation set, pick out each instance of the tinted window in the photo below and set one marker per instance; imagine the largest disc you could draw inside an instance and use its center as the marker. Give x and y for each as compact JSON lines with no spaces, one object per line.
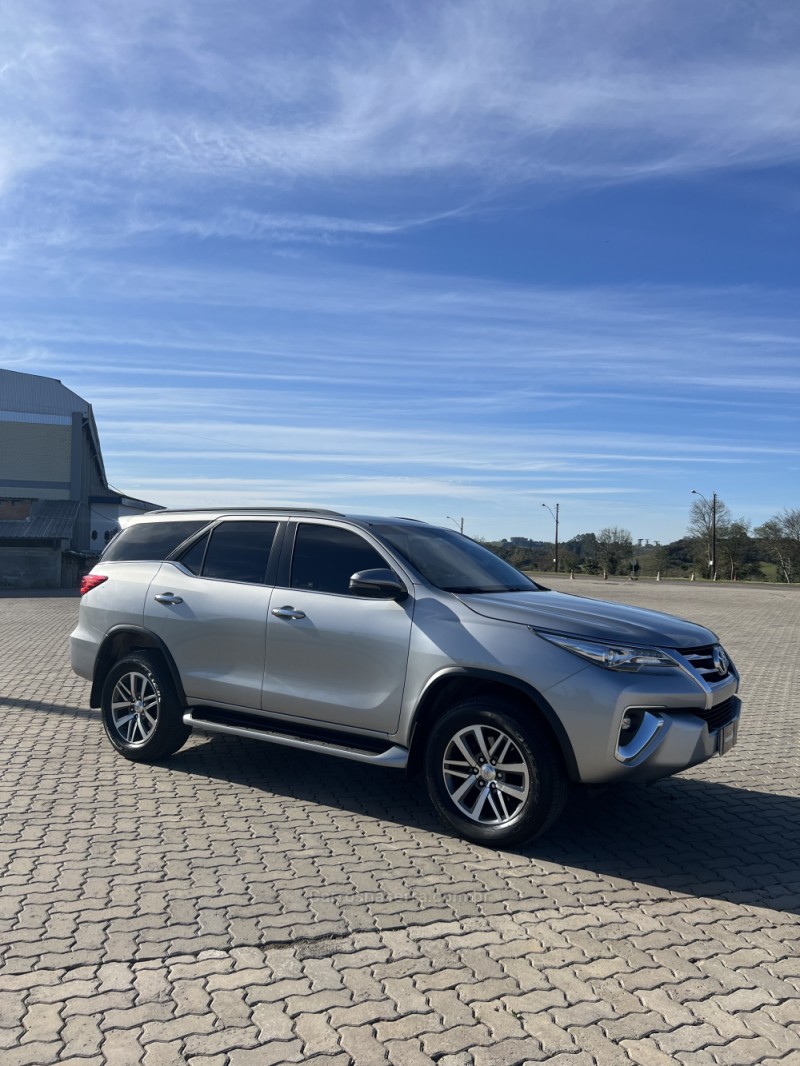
{"x":192,"y":558}
{"x":151,"y":540}
{"x":238,"y":551}
{"x":326,"y":557}
{"x":453,"y":562}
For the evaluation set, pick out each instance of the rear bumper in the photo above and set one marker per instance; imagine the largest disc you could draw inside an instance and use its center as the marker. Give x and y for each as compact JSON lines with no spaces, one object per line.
{"x":82,"y":654}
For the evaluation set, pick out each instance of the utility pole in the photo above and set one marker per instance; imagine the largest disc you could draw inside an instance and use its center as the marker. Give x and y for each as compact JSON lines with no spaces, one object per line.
{"x":555,"y":516}
{"x":714,"y":537}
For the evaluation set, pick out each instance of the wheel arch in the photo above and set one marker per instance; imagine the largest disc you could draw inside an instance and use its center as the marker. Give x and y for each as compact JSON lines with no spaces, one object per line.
{"x":460,"y":683}
{"x":120,"y":642}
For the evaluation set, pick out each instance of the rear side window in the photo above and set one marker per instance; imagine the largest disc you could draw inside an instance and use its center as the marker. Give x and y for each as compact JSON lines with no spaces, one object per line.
{"x":150,"y":540}
{"x":233,"y":551}
{"x":326,"y":557}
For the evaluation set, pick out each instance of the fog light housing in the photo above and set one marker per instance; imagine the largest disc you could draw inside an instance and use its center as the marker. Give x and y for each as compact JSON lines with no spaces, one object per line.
{"x":638,"y":729}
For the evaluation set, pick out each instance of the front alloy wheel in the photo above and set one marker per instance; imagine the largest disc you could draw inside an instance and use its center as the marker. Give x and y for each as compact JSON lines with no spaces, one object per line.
{"x":486,"y":775}
{"x":493,"y":772}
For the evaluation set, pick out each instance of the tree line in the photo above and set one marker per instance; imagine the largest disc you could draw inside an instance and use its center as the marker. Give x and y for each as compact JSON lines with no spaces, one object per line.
{"x":717,"y":546}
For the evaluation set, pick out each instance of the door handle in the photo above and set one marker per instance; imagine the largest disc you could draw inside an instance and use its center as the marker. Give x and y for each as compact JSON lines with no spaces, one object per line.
{"x":169,"y":598}
{"x":287,"y":612}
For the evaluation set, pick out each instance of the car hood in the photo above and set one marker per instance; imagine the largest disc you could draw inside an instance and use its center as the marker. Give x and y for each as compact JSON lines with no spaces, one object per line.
{"x":579,"y":616}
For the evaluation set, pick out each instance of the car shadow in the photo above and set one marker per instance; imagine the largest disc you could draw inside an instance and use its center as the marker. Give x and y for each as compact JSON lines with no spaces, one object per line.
{"x":36,"y":706}
{"x":683,"y":835}
{"x":686,"y":835}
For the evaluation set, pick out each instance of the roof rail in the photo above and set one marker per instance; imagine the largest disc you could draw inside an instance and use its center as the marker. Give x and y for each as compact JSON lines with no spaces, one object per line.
{"x":247,"y":510}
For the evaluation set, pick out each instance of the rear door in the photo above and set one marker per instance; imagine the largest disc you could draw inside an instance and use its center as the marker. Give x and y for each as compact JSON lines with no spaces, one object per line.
{"x":332,"y":657}
{"x":210,"y":608}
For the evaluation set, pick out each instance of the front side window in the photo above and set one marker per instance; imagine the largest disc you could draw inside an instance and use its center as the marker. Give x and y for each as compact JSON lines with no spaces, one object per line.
{"x":233,"y":551}
{"x":326,"y":557}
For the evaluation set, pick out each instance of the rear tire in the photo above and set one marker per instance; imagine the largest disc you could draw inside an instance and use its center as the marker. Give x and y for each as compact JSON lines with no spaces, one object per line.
{"x":493,"y":772}
{"x":141,"y":710}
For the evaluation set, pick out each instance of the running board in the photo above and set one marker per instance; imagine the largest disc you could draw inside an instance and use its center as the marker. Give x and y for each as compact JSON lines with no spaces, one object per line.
{"x":394,"y":756}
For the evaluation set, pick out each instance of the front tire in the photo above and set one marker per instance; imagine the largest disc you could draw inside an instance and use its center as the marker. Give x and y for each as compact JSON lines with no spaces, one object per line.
{"x":493,"y":772}
{"x":141,"y":711}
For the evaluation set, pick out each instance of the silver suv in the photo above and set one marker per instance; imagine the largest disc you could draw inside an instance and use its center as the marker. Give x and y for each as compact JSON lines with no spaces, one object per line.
{"x":389,"y":641}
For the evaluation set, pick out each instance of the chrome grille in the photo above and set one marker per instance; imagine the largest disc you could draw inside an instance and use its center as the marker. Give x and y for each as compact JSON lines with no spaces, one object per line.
{"x":702,"y":659}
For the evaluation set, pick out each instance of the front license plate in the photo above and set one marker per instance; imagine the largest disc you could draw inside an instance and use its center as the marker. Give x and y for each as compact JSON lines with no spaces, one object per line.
{"x":726,"y":738}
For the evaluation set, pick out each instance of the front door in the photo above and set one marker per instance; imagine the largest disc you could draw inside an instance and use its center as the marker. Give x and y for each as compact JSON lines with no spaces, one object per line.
{"x":332,"y":657}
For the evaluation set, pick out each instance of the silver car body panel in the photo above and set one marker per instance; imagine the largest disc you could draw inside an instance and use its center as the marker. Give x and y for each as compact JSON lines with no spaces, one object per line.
{"x":115,"y":603}
{"x":558,"y":613}
{"x":216,"y":635}
{"x":342,"y":663}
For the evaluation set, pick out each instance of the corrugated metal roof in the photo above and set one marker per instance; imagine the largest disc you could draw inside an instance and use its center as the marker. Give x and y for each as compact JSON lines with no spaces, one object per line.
{"x":36,"y":394}
{"x":50,"y":520}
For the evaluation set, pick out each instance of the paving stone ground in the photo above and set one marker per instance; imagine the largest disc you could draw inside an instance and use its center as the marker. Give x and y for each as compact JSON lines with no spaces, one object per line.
{"x":242,"y":905}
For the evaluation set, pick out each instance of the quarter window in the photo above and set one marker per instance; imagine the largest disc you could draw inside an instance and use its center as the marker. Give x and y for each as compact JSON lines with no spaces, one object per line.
{"x":150,"y":540}
{"x":192,"y":558}
{"x":326,"y":557}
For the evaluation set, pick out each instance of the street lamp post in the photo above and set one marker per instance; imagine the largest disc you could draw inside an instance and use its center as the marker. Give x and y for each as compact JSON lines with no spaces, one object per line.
{"x":555,"y":516}
{"x":458,"y":521}
{"x":712,"y":562}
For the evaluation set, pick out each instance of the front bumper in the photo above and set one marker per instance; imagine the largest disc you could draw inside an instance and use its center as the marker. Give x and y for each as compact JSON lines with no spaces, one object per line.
{"x":593,"y":704}
{"x":683,"y":740}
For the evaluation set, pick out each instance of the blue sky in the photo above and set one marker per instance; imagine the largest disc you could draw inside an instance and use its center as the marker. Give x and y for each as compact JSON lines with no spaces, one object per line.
{"x":432,"y":259}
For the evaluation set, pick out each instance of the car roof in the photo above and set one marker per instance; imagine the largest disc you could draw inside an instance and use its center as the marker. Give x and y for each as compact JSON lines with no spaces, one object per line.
{"x":210,"y":513}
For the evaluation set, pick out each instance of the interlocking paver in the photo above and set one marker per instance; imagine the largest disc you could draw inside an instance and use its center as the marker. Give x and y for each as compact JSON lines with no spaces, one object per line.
{"x":43,"y":1022}
{"x":360,"y":1043}
{"x":222,"y":1042}
{"x":161,"y":1053}
{"x":32,"y":1054}
{"x":82,"y":1036}
{"x":123,"y":1046}
{"x":783,"y":1037}
{"x":456,"y":1038}
{"x":233,"y":906}
{"x":645,"y":1053}
{"x":748,"y":1052}
{"x":268,"y":1054}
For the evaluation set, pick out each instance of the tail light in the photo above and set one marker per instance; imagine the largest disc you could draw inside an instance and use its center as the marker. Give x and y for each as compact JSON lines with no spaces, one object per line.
{"x":91,"y":581}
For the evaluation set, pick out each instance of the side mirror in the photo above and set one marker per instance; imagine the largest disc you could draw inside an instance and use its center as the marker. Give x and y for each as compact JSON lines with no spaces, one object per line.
{"x":381,"y":584}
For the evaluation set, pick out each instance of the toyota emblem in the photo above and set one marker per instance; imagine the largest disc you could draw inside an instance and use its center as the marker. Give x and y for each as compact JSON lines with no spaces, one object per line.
{"x":720,"y":660}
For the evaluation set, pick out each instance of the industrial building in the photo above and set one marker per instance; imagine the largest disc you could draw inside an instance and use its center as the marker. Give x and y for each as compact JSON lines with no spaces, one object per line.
{"x":57,"y":510}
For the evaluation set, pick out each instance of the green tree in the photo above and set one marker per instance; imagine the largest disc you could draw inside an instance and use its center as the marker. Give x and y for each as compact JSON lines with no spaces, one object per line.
{"x":614,"y":548}
{"x":737,"y":553}
{"x":781,"y":536}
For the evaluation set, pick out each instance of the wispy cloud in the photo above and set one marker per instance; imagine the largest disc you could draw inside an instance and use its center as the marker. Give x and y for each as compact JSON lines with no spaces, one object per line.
{"x":224,"y":227}
{"x":146,"y":112}
{"x":302,"y":327}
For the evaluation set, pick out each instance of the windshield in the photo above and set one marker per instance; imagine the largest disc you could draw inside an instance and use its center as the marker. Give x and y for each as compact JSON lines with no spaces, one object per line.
{"x":453,"y":562}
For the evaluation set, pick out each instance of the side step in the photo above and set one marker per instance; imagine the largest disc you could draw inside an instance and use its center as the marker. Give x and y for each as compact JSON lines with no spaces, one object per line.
{"x":391,"y":756}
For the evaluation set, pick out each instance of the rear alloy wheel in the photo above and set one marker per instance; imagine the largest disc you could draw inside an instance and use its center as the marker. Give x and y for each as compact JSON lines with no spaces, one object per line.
{"x":141,"y":712}
{"x":493,"y":773}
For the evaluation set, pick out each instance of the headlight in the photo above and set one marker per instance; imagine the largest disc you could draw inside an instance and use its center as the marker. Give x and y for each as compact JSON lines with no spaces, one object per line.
{"x":612,"y":656}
